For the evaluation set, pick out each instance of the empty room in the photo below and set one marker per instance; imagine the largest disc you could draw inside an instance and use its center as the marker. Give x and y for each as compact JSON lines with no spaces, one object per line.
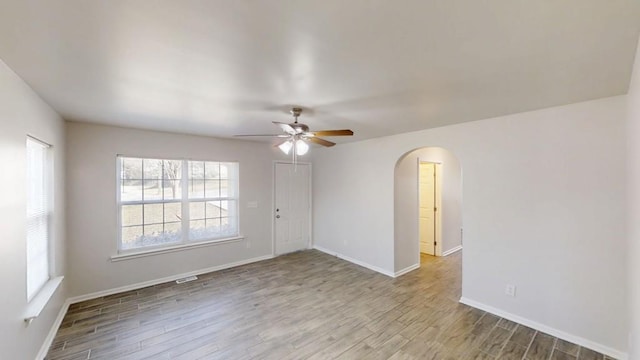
{"x":359,"y":179}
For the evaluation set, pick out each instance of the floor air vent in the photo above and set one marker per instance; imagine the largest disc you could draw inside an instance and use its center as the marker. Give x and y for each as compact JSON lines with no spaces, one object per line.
{"x":187,"y":279}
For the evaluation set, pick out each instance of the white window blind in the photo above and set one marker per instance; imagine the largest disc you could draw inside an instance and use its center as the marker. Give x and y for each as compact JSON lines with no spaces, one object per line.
{"x":38,"y":216}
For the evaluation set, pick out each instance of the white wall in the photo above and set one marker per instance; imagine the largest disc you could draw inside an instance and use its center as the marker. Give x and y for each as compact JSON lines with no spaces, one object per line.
{"x":23,"y":113}
{"x":91,"y":191}
{"x":406,"y":199}
{"x":633,"y":214}
{"x":544,"y":198}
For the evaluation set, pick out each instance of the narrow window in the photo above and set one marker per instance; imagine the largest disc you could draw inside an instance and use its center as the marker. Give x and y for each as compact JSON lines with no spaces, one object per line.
{"x":38,"y":214}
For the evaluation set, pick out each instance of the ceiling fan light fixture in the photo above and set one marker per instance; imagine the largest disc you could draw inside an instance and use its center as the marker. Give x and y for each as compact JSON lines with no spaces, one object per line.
{"x":297,"y":136}
{"x":286,"y":146}
{"x":301,"y":147}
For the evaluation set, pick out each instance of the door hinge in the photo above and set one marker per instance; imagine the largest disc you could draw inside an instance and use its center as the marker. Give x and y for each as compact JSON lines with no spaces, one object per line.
{"x":435,"y":209}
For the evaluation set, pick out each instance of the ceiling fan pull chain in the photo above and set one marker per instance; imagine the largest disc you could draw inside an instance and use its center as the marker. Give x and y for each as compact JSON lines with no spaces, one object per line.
{"x":295,"y":157}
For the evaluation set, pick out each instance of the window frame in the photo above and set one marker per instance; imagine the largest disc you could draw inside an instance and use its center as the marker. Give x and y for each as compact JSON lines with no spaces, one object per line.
{"x":47,"y":188}
{"x":184,"y":239}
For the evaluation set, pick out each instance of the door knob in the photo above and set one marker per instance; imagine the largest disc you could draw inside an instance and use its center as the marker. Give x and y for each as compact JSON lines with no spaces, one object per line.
{"x":277,"y":216}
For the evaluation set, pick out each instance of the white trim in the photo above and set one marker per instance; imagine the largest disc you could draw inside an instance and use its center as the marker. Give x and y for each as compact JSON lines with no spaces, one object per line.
{"x":451,"y":251}
{"x":169,"y":249}
{"x":143,"y":284}
{"x":42,"y":297}
{"x":617,"y":354}
{"x":406,"y":270}
{"x":354,"y":261}
{"x":44,"y":349}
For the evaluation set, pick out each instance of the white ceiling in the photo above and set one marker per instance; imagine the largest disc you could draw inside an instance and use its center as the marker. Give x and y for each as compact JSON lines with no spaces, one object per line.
{"x":378,"y":67}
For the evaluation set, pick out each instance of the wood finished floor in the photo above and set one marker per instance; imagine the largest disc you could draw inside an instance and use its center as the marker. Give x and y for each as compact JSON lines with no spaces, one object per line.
{"x":306,"y":305}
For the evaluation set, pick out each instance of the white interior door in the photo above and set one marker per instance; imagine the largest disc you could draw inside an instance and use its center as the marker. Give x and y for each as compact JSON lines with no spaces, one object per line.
{"x":292,"y":207}
{"x":427,"y":193}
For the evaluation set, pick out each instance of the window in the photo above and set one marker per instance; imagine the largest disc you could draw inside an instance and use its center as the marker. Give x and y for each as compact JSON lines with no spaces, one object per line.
{"x":172,"y":202}
{"x":38,"y":215}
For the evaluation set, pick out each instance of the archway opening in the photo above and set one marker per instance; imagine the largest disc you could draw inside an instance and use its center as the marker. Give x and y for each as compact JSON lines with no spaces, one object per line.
{"x":447,"y":227}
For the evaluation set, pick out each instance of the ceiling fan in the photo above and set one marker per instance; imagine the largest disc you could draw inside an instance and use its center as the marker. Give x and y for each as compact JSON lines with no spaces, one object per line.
{"x":297,"y":134}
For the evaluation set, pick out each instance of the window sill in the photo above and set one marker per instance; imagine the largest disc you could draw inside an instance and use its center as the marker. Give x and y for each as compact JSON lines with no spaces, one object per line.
{"x":170,"y":249}
{"x":37,"y":304}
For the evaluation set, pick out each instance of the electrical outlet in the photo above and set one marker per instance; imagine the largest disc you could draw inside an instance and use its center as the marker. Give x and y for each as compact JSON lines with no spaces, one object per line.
{"x":510,"y":290}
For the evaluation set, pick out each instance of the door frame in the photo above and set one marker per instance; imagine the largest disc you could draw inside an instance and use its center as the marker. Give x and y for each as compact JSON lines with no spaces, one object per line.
{"x":273,"y":204}
{"x":438,"y":203}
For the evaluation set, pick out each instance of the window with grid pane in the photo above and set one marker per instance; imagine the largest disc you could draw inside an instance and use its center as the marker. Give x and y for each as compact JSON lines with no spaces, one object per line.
{"x":170,"y":202}
{"x":38,"y":215}
{"x":212,"y":199}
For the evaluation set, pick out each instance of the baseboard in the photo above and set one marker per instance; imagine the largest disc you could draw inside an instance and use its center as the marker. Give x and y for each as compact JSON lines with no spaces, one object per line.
{"x":548,"y":330}
{"x":52,"y":332}
{"x":451,"y":251}
{"x":406,"y":270}
{"x":143,"y":284}
{"x":354,"y":261}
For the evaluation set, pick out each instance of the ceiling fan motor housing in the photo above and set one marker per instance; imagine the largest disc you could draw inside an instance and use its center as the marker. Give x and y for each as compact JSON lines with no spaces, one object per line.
{"x":296,"y":112}
{"x":300,"y":128}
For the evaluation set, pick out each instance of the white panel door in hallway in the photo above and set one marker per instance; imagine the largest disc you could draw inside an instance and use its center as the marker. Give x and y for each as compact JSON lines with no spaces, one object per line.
{"x":292,"y":217}
{"x":427,"y":194}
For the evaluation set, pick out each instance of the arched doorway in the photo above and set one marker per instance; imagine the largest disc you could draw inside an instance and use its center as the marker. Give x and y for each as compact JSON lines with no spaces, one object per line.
{"x":407,"y":206}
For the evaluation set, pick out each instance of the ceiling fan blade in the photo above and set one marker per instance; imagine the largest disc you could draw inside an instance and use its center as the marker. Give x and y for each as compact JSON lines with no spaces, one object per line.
{"x":322,"y":142}
{"x":269,"y":135}
{"x":344,"y":132}
{"x":286,"y":127}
